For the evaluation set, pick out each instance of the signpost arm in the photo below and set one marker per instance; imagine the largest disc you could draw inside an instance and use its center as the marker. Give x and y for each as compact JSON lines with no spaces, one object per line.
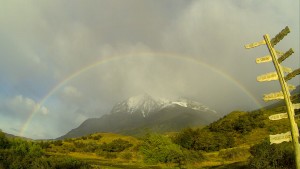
{"x":289,"y":105}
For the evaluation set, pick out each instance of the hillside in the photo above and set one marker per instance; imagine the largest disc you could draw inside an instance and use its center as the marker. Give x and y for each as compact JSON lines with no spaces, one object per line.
{"x":8,"y":135}
{"x":139,"y":113}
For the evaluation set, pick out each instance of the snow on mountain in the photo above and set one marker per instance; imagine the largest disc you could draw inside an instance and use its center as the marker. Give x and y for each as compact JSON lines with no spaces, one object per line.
{"x":141,"y":112}
{"x":195,"y":105}
{"x":183,"y":104}
{"x":145,"y":104}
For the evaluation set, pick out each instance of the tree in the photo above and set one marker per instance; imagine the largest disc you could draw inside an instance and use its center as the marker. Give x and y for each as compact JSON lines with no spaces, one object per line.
{"x":274,"y":156}
{"x":203,"y":139}
{"x":4,"y":143}
{"x":117,"y":145}
{"x":160,"y":149}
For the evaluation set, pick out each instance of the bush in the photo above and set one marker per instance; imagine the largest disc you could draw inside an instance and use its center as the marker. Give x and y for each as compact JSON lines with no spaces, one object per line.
{"x":274,"y":156}
{"x":24,"y":154}
{"x":35,"y":151}
{"x":159,"y":149}
{"x":90,"y":147}
{"x":96,"y":137}
{"x":58,"y":143}
{"x":240,"y":122}
{"x":105,"y":154}
{"x":203,"y":140}
{"x":4,"y":143}
{"x":79,"y":144}
{"x":117,"y":145}
{"x":44,"y":144}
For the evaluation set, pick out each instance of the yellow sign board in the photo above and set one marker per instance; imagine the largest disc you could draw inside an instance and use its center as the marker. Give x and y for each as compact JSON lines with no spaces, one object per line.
{"x":267,"y":77}
{"x":255,"y":44}
{"x":286,"y":69}
{"x":291,"y":87}
{"x":278,"y":116}
{"x":273,"y":96}
{"x":267,"y":58}
{"x":296,"y":106}
{"x":279,"y":138}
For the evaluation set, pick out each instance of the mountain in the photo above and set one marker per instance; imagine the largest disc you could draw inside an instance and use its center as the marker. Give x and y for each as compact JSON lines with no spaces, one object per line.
{"x":8,"y":135}
{"x":134,"y":115}
{"x":138,"y":105}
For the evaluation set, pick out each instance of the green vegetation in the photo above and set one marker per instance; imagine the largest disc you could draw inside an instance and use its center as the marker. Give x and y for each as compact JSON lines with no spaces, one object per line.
{"x":202,"y":140}
{"x":4,"y":143}
{"x":118,"y":145}
{"x":274,"y":156}
{"x":160,"y":149}
{"x":238,"y":140}
{"x":22,"y":154}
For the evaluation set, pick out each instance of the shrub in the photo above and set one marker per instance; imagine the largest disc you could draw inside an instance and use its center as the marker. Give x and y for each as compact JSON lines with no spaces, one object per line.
{"x":69,"y":140}
{"x":25,"y":154}
{"x":79,"y":144}
{"x":96,"y":137}
{"x":4,"y":143}
{"x":58,"y":143}
{"x":90,"y":147}
{"x":44,"y":144}
{"x":84,"y":138}
{"x":105,"y":154}
{"x":203,"y":140}
{"x":35,"y":151}
{"x":274,"y":156}
{"x":117,"y":145}
{"x":159,"y":149}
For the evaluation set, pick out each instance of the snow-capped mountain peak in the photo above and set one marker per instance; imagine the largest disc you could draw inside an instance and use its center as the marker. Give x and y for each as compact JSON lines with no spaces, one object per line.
{"x":145,"y":104}
{"x":183,"y":104}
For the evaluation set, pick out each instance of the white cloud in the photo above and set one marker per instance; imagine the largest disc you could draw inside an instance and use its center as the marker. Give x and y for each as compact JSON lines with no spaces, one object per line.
{"x":21,"y":106}
{"x":71,"y":91}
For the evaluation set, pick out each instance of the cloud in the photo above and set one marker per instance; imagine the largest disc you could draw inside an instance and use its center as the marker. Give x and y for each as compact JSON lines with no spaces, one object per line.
{"x":216,"y":32}
{"x":20,"y":106}
{"x":71,"y":91}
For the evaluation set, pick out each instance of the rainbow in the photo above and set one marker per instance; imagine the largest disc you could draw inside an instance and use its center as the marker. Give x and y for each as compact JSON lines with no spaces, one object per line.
{"x":131,"y":55}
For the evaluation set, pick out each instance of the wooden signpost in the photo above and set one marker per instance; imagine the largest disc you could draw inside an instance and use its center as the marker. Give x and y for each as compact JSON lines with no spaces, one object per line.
{"x":292,"y":135}
{"x":278,"y":116}
{"x":267,"y":77}
{"x":279,"y":138}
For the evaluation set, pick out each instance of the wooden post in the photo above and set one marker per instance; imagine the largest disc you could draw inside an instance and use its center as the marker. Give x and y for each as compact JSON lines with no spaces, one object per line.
{"x":287,"y":98}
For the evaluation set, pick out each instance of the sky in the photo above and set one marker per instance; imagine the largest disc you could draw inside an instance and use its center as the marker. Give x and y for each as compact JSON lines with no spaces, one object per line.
{"x":62,"y":62}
